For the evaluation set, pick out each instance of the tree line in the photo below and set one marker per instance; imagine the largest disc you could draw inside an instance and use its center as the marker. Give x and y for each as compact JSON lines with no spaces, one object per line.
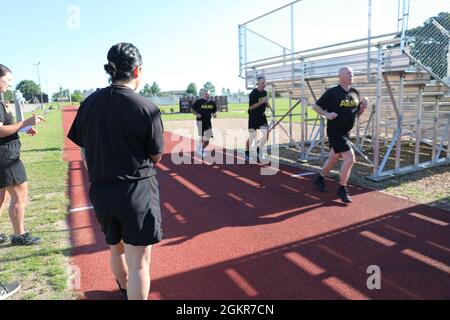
{"x":191,"y":90}
{"x":30,"y":88}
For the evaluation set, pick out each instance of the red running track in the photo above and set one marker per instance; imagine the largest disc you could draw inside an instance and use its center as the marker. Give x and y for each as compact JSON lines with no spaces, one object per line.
{"x":231,"y":233}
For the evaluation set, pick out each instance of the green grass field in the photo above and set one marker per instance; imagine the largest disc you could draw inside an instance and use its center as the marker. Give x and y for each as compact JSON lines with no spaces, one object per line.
{"x":41,"y":269}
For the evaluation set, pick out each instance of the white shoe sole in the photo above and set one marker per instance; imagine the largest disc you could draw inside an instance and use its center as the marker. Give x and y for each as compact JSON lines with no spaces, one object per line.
{"x":10,"y":293}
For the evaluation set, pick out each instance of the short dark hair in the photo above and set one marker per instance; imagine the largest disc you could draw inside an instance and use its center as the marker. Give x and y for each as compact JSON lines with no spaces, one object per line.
{"x":4,"y":70}
{"x":123,"y":58}
{"x":260,"y":78}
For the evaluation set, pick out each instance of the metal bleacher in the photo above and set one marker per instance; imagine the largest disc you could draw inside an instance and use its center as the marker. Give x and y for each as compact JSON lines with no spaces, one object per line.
{"x":409,"y":104}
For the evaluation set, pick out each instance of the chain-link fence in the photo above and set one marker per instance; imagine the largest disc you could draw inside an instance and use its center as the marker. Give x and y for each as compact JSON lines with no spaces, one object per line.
{"x":266,"y":36}
{"x":308,"y":24}
{"x":428,"y":35}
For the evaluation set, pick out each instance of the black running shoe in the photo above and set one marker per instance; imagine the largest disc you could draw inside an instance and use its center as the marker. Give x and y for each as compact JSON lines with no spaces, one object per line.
{"x":342,"y":193}
{"x":247,"y":156}
{"x":261,"y":157}
{"x":320,"y":183}
{"x":25,"y":240}
{"x":7,"y":290}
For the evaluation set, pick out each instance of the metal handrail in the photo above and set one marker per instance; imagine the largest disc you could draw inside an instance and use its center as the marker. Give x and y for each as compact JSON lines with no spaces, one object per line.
{"x":300,"y":54}
{"x":324,"y":53}
{"x":268,"y":13}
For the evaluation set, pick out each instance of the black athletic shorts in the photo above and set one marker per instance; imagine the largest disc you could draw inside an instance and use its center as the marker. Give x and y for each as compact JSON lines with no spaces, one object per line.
{"x":12,"y":170}
{"x":256,"y":123}
{"x":128,"y":211}
{"x":205,"y":129}
{"x":339,"y":140}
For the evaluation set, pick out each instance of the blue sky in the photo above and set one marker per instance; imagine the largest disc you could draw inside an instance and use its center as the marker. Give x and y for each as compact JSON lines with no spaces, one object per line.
{"x":181,"y":41}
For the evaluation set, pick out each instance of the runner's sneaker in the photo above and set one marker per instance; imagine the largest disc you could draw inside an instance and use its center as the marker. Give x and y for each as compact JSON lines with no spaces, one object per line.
{"x":342,"y":193}
{"x":247,"y":155}
{"x":25,"y":240}
{"x":262,"y":158}
{"x":7,"y":290}
{"x":320,"y":183}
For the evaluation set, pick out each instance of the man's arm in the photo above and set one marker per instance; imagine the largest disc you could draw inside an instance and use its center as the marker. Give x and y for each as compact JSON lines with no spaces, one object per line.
{"x":364,"y":105}
{"x":328,"y":115}
{"x":195,"y":107}
{"x":198,"y":115}
{"x":259,"y":104}
{"x":325,"y":100}
{"x":214,"y":112}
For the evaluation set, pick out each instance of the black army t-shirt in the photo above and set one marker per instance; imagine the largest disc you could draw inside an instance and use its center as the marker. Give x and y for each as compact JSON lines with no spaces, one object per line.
{"x":119,"y":130}
{"x":255,"y":97}
{"x":7,"y":119}
{"x":345,"y":104}
{"x":205,"y":109}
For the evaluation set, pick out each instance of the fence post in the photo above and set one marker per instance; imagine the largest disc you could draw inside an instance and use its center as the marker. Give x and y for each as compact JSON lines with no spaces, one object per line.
{"x":369,"y":41}
{"x":376,"y":136}
{"x":404,"y":23}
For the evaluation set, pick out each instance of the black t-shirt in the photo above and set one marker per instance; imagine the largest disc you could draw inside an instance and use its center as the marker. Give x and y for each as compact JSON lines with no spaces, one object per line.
{"x":119,"y":130}
{"x":7,"y":119}
{"x":255,"y":97}
{"x":345,"y":104}
{"x":205,"y":109}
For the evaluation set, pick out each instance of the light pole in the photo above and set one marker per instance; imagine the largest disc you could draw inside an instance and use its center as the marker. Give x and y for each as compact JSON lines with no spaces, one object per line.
{"x":61,"y":93}
{"x":40,"y":86}
{"x":48,"y":93}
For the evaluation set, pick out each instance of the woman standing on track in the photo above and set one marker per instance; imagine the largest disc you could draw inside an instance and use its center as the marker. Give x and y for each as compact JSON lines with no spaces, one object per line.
{"x":13,"y":178}
{"x":121,"y":134}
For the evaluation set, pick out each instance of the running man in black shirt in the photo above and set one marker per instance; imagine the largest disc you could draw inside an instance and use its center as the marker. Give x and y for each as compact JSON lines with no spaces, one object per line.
{"x":203,"y":109}
{"x":122,"y":135}
{"x":257,"y":120}
{"x":340,"y":105}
